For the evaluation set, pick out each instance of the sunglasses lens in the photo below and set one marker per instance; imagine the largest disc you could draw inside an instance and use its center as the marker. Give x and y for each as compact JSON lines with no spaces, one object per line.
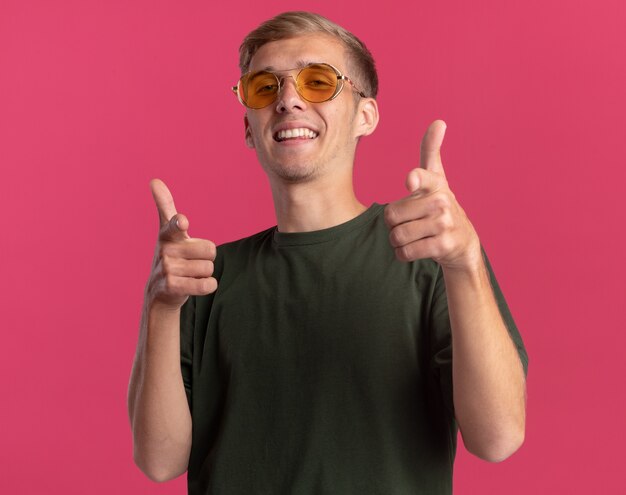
{"x":258,"y":89}
{"x":317,"y":83}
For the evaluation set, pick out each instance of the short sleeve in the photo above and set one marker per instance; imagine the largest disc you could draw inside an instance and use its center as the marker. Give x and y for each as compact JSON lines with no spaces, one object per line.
{"x":440,"y":337}
{"x":187,"y":324}
{"x":507,"y":317}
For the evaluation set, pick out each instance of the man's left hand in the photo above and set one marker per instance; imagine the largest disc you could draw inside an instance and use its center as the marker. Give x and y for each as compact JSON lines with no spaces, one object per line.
{"x":430,"y":223}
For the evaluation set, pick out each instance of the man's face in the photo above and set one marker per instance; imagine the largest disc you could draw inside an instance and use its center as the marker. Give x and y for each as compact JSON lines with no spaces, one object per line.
{"x":329,"y":143}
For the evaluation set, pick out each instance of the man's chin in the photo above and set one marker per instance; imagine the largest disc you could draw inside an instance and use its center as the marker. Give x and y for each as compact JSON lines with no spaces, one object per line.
{"x":293,"y":174}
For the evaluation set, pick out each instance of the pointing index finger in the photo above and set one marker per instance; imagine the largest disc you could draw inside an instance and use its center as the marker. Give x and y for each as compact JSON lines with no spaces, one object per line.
{"x":420,"y":181}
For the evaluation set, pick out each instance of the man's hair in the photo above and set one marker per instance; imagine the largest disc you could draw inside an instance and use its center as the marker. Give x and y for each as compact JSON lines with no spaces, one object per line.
{"x":292,"y":24}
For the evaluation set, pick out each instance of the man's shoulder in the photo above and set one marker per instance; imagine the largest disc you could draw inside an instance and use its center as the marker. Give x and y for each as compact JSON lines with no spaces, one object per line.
{"x":249,"y":242}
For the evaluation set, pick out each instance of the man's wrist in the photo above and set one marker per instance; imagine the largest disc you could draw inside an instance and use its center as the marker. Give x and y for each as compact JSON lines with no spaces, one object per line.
{"x":469,"y":264}
{"x":157,"y":307}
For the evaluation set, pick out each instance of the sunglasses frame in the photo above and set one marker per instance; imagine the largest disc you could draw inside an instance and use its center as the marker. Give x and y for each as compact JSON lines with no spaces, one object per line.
{"x":341,"y":79}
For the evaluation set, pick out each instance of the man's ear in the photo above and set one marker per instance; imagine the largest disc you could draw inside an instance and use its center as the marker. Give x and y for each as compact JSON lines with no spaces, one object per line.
{"x":248,"y":135}
{"x":367,"y":117}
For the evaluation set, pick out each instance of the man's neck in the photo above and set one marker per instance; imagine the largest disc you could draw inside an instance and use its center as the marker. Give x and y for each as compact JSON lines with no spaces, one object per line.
{"x":314,"y":205}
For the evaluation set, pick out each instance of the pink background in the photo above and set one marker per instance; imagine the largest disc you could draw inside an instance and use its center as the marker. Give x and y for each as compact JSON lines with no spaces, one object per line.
{"x":97,"y":97}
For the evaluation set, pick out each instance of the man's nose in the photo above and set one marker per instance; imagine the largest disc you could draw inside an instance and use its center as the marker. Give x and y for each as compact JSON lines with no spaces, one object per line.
{"x":288,"y":97}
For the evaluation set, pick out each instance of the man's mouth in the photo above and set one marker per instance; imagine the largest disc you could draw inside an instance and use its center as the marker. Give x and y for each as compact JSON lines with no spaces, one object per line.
{"x":299,"y":133}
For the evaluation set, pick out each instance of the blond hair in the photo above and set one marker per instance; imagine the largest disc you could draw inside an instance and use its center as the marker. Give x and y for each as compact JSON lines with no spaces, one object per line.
{"x":297,"y":23}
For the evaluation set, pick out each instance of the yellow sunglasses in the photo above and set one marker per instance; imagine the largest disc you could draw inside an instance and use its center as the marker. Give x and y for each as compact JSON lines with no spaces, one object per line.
{"x":316,"y":83}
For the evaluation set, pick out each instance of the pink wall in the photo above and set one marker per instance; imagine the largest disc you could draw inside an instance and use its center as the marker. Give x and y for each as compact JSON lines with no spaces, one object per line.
{"x":98,"y":97}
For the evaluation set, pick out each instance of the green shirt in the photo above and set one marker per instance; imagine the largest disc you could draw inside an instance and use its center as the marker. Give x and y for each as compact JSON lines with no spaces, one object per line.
{"x":322,"y":365}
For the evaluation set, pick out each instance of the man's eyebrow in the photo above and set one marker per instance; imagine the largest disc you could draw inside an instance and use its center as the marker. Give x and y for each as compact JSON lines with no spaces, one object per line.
{"x":300,"y":64}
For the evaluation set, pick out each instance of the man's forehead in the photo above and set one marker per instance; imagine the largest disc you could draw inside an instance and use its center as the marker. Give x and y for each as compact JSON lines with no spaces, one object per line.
{"x":297,"y":52}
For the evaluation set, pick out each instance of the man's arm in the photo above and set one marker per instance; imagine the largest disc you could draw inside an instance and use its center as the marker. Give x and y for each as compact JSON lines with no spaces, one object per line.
{"x":487,"y":373}
{"x":157,"y":402}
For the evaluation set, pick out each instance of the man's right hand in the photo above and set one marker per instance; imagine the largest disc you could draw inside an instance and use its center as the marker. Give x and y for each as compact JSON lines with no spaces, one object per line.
{"x":182,"y":266}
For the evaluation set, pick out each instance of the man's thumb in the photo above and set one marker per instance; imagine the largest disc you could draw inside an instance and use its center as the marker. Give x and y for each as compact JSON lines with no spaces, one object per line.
{"x":164,"y":201}
{"x":430,"y":150}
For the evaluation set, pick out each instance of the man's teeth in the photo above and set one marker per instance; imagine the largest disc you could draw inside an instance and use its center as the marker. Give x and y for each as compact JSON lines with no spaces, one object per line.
{"x":296,"y":133}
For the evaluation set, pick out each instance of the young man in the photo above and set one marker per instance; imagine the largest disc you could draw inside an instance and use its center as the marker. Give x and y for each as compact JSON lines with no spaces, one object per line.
{"x":322,"y":362}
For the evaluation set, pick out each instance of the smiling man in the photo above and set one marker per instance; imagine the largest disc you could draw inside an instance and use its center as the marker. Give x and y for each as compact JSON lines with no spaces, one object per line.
{"x":340,"y":351}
